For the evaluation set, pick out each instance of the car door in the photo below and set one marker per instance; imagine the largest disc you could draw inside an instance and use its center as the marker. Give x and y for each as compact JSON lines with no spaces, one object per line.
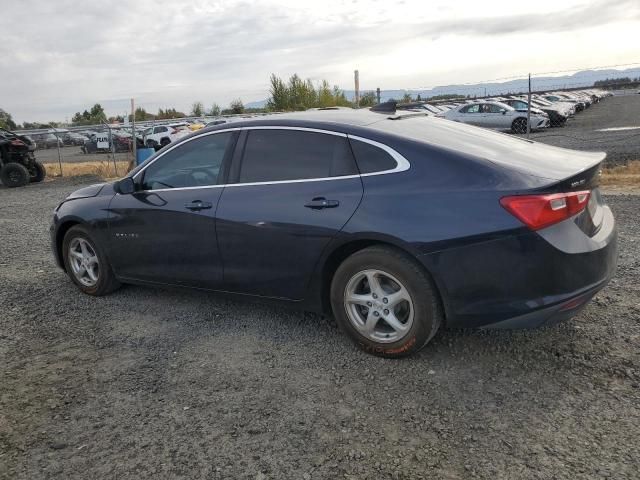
{"x":494,"y":117}
{"x":165,"y":231}
{"x":291,"y":191}
{"x":471,"y":114}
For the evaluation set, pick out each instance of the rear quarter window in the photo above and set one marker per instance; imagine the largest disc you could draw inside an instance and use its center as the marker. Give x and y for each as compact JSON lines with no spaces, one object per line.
{"x":371,"y":159}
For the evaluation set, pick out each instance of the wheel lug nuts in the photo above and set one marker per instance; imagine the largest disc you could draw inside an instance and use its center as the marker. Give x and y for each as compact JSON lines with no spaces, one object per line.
{"x":374,"y":295}
{"x":386,"y":312}
{"x":376,"y":314}
{"x":385,"y":300}
{"x":369,"y":304}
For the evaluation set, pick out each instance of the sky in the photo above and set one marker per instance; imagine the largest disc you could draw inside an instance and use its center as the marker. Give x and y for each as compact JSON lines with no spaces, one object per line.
{"x":62,"y":56}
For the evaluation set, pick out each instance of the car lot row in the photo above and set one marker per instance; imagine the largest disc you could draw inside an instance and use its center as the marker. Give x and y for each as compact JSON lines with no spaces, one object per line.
{"x":509,"y":113}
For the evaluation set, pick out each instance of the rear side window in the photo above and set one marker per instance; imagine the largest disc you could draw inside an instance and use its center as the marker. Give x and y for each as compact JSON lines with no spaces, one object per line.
{"x":371,"y":159}
{"x":276,"y":155}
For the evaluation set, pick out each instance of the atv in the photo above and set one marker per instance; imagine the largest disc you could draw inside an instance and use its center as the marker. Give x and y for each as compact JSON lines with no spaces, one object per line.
{"x":18,"y":164}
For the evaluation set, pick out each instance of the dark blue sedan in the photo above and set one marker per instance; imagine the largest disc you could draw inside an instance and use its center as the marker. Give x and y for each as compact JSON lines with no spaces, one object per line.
{"x":396,"y":223}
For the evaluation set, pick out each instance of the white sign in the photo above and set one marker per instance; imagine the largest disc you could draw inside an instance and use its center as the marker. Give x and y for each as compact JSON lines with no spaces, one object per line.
{"x":102,"y":141}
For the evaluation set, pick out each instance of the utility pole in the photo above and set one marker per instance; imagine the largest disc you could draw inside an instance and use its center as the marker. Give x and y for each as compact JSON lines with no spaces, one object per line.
{"x":378,"y":94}
{"x":529,"y":109}
{"x":134,"y":138}
{"x":356,"y":78}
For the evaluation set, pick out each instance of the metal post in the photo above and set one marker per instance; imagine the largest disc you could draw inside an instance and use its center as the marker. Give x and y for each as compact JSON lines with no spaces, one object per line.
{"x":378,"y":94}
{"x":529,"y":109}
{"x":59,"y":155}
{"x":134,"y":138}
{"x":356,"y":78}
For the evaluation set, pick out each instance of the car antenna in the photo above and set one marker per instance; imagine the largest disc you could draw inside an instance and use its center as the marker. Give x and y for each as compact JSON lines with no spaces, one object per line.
{"x":386,"y":107}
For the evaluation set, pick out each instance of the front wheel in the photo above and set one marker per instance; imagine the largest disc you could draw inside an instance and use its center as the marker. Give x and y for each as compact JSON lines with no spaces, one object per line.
{"x":39,"y":173}
{"x":86,"y":263}
{"x":385,"y":301}
{"x":519,"y":125}
{"x":14,"y":175}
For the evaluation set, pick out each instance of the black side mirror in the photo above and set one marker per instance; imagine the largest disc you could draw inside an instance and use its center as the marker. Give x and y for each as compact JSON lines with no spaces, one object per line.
{"x":504,"y":112}
{"x":125,"y":186}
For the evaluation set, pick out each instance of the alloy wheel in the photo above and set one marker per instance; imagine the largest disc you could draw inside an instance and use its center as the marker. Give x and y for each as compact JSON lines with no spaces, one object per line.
{"x":378,"y":306}
{"x":84,"y":262}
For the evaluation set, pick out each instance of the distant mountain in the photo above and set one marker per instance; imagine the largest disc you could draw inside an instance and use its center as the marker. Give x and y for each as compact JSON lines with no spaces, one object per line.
{"x":584,"y":78}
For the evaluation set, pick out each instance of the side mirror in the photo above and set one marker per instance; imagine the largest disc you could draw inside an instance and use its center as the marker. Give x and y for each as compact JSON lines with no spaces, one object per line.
{"x":504,"y":112}
{"x":125,"y":186}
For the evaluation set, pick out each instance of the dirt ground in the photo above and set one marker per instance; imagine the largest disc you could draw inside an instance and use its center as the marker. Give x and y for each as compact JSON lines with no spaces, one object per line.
{"x":155,"y":383}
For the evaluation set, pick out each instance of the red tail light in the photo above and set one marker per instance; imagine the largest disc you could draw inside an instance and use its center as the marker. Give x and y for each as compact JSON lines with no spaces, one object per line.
{"x":539,"y":211}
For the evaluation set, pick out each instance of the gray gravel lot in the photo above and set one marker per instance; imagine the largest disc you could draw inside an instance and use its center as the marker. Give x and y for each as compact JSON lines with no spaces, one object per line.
{"x":73,"y":154}
{"x":155,"y":383}
{"x":588,"y":130}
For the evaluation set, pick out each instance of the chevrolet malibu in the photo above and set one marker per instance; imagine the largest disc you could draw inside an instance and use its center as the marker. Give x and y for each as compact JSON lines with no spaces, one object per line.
{"x":398,"y":224}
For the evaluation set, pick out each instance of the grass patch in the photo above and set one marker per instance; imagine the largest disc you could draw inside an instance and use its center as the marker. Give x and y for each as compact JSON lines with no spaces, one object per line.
{"x":622,"y":176}
{"x":103,"y":170}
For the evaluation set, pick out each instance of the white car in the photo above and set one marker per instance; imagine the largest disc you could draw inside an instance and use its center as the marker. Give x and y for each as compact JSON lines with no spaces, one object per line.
{"x":496,"y":115}
{"x":161,"y":135}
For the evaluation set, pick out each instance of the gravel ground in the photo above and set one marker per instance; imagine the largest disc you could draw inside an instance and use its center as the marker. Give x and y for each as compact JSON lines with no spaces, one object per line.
{"x":612,"y":126}
{"x":154,"y":383}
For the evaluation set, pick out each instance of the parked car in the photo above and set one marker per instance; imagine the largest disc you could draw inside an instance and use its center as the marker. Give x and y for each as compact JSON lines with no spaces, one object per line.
{"x":72,"y":138}
{"x":18,"y":164}
{"x":47,"y":140}
{"x":398,"y":224}
{"x":496,"y":115}
{"x":162,"y":135}
{"x":557,"y":118}
{"x":579,"y":105}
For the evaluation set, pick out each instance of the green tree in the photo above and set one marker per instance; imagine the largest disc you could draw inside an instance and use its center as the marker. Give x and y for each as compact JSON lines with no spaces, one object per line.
{"x":215,"y":110}
{"x":6,"y":121}
{"x":368,"y":99}
{"x":407,"y":98}
{"x":236,"y":106}
{"x":279,"y":100}
{"x":90,"y":117}
{"x":197,"y":109}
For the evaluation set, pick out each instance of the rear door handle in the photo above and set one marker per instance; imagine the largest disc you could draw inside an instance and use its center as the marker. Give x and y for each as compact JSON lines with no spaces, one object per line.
{"x":319,"y":203}
{"x":198,"y":205}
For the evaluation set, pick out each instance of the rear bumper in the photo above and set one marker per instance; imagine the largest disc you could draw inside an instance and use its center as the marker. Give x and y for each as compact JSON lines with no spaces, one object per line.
{"x":526,"y":280}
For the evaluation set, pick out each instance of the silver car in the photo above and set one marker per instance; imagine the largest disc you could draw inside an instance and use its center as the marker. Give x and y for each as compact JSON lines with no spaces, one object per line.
{"x":496,"y":115}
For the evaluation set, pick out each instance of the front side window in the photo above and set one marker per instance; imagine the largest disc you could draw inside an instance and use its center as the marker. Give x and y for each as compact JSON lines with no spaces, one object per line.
{"x":471,"y":109}
{"x":195,"y":163}
{"x":495,"y":108}
{"x":278,"y":155}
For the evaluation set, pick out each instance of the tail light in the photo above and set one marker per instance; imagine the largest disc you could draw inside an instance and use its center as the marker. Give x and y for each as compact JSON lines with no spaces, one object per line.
{"x":540,"y":211}
{"x":17,"y":143}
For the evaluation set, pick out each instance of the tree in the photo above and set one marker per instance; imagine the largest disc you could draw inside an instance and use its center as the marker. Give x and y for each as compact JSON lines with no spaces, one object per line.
{"x":368,"y":99}
{"x":215,"y":110}
{"x":93,"y":117}
{"x":6,"y":121}
{"x":197,"y":109}
{"x":407,"y":98}
{"x":236,"y":106}
{"x":169,"y":113}
{"x":279,"y":100}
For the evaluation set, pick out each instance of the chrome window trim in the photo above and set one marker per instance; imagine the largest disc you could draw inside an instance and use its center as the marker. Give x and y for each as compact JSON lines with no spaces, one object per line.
{"x":402,"y":164}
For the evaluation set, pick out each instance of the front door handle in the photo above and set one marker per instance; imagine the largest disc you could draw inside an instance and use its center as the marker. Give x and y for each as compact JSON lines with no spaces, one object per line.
{"x":319,"y":203}
{"x":197,"y":205}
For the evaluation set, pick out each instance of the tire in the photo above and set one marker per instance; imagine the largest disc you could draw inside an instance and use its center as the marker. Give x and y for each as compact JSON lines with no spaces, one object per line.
{"x":102,"y":281}
{"x":14,"y":175}
{"x":419,"y":315}
{"x":519,"y":125}
{"x":40,"y":173}
{"x":152,"y":144}
{"x":164,"y":142}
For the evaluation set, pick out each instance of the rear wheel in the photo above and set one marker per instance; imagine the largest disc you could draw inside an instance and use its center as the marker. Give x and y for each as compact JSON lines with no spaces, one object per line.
{"x":86,"y":263}
{"x":164,"y":142}
{"x":519,"y":125}
{"x":14,"y":175}
{"x":385,"y":302}
{"x":39,"y":173}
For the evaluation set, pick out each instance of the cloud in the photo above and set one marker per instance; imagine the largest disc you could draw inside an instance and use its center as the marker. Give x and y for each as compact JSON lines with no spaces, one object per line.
{"x":61,"y":57}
